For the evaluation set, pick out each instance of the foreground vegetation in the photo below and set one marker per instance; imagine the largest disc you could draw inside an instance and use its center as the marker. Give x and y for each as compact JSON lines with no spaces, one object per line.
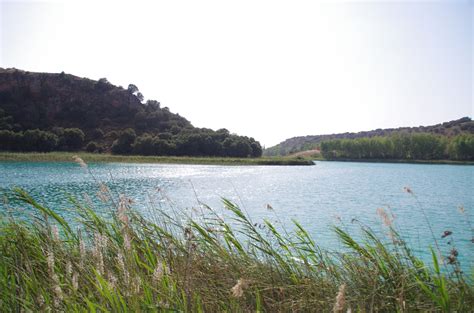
{"x":175,"y":261}
{"x":96,"y":157}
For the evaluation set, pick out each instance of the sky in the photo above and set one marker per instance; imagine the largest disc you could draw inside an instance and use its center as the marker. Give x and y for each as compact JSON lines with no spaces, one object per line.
{"x":266,"y":69}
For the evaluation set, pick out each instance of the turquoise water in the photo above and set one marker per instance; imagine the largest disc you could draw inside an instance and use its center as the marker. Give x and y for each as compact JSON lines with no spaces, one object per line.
{"x":329,"y":193}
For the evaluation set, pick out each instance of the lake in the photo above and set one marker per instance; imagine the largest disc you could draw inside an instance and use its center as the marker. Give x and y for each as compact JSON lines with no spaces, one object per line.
{"x":330,"y":193}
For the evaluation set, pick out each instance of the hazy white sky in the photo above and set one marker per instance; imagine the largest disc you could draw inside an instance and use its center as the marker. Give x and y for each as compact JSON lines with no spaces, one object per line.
{"x":266,"y":69}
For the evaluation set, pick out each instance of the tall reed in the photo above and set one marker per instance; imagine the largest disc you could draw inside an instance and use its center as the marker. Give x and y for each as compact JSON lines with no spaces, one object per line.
{"x":210,"y":264}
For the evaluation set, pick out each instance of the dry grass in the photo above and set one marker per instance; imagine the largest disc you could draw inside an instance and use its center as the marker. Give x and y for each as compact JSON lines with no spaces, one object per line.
{"x":96,"y":157}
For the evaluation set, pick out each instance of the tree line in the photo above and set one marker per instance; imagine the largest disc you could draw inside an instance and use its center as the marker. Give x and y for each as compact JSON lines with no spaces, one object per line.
{"x":190,"y":142}
{"x":69,"y":139}
{"x":61,"y":112}
{"x":405,"y":146}
{"x":301,"y":143}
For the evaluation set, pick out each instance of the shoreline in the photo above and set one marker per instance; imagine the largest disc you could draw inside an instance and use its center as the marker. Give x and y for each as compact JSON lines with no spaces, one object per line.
{"x":440,"y":162}
{"x":57,"y":156}
{"x":109,"y":158}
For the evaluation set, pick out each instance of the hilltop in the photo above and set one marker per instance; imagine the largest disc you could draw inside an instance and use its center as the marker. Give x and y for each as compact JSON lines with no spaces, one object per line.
{"x":58,"y":111}
{"x":303,"y":143}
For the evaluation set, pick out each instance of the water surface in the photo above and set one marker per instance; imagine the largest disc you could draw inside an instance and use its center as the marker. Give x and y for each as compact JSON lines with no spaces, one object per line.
{"x":329,"y":193}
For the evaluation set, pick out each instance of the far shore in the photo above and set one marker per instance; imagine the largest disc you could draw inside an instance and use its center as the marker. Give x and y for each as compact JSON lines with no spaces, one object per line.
{"x":451,"y":162}
{"x":103,"y":157}
{"x":279,"y":160}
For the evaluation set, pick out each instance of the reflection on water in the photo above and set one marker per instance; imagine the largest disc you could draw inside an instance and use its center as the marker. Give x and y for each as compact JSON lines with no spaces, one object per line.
{"x":316,"y":196}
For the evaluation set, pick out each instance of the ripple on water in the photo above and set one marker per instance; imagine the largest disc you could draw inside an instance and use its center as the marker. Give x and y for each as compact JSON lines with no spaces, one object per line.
{"x":315,"y":196}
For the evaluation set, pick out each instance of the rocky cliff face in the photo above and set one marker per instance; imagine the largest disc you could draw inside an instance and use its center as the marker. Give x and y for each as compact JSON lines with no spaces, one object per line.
{"x":43,"y":100}
{"x":47,"y":112}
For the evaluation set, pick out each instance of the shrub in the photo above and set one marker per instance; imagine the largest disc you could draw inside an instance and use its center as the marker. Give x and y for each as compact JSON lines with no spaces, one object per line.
{"x":165,"y":136}
{"x":124,"y":143}
{"x":38,"y":140}
{"x":112,"y":135}
{"x":72,"y":139}
{"x":11,"y":141}
{"x":144,"y":145}
{"x":97,"y":133}
{"x":163,"y":147}
{"x":92,"y":146}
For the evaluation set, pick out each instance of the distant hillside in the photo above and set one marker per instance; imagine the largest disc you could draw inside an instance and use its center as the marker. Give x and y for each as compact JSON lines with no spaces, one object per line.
{"x":45,"y":112}
{"x":303,"y":143}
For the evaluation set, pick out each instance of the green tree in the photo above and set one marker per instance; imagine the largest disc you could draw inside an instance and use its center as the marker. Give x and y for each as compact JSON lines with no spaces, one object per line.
{"x":462,"y":147}
{"x":165,"y":136}
{"x":97,"y":133}
{"x":144,"y":145}
{"x":124,"y":143}
{"x":11,"y":141}
{"x":256,"y":148}
{"x":140,"y":120}
{"x":164,"y":147}
{"x":38,"y":140}
{"x":152,"y":105}
{"x":92,"y":146}
{"x":132,"y":88}
{"x":72,"y":139}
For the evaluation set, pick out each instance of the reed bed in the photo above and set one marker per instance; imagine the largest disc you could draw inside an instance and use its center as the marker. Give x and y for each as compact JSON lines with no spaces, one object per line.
{"x":105,"y":157}
{"x":175,"y":261}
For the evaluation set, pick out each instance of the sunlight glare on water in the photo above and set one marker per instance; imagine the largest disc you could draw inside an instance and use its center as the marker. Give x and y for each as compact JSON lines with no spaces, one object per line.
{"x":316,"y":196}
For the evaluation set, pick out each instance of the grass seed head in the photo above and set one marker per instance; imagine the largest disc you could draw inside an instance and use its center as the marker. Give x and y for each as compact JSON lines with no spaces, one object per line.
{"x":386,"y":219}
{"x":55,"y":232}
{"x":112,"y":280}
{"x":75,"y":281}
{"x":68,"y":268}
{"x":79,"y":161}
{"x":238,"y":289}
{"x":127,"y":243}
{"x":157,"y":273}
{"x":82,"y":252}
{"x":340,"y":299}
{"x":104,"y":193}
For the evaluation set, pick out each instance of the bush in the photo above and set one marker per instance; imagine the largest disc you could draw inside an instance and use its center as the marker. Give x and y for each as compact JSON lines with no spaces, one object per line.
{"x":92,"y":146}
{"x":124,"y":144}
{"x":163,"y":147}
{"x":38,"y":140}
{"x":58,"y":131}
{"x":462,"y":147}
{"x":235,"y":146}
{"x":11,"y":141}
{"x":97,"y":133}
{"x":256,"y":149}
{"x":144,"y":145}
{"x":165,"y":136}
{"x":72,"y":139}
{"x":112,"y":135}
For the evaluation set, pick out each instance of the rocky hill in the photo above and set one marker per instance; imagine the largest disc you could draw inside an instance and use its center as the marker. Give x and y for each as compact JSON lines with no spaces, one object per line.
{"x":303,"y":143}
{"x":43,"y":100}
{"x":48,"y":111}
